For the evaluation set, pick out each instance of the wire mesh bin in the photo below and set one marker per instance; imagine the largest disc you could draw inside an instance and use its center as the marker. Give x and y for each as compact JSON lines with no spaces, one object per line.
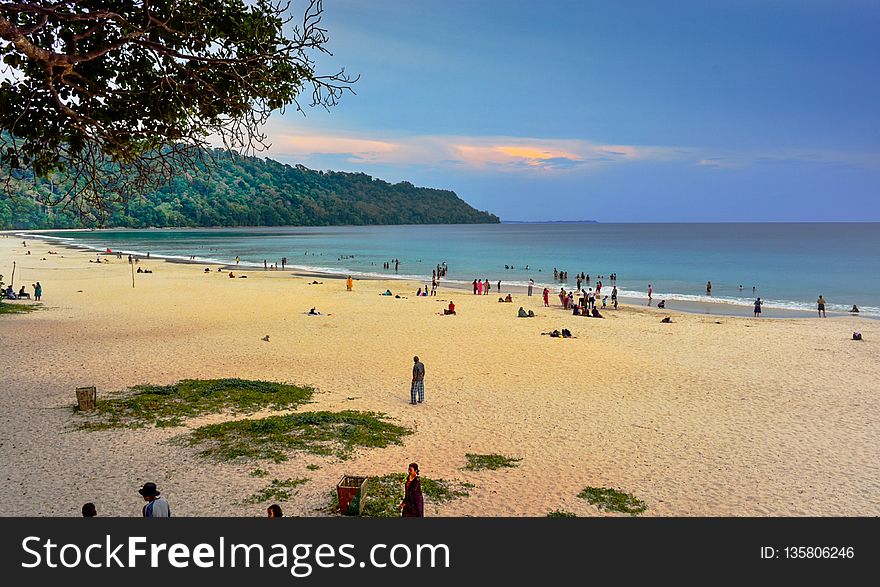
{"x":352,"y":492}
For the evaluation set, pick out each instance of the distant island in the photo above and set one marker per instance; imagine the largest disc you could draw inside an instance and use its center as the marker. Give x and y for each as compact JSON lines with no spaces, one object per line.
{"x":549,"y":222}
{"x":252,"y":191}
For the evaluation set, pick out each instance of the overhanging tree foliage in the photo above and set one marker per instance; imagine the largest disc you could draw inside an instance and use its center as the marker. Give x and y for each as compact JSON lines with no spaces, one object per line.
{"x":112,"y":96}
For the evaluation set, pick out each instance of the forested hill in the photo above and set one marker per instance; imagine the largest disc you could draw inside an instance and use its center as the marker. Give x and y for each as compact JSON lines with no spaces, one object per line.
{"x":250,"y":191}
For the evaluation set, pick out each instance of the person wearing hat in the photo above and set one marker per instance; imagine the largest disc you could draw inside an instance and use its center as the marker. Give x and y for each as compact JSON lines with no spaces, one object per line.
{"x":157,"y":506}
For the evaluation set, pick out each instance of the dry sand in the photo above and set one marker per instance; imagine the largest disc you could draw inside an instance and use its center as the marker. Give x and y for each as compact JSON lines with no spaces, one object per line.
{"x":739,"y":418}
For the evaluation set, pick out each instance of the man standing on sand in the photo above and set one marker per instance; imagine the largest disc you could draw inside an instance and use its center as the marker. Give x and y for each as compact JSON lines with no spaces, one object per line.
{"x":348,"y":283}
{"x":531,"y":283}
{"x":417,"y":391}
{"x":157,"y":507}
{"x":708,"y":288}
{"x":650,"y":293}
{"x":821,"y":303}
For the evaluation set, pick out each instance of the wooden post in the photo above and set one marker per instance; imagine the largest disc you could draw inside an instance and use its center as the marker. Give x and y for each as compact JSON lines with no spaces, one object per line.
{"x":132,"y":275}
{"x":12,"y":279}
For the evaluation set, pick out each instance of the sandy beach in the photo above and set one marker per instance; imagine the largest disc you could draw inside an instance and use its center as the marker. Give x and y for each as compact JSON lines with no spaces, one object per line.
{"x":706,"y":416}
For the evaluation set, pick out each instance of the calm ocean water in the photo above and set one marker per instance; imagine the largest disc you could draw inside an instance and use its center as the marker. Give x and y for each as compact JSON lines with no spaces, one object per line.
{"x":788,"y":264}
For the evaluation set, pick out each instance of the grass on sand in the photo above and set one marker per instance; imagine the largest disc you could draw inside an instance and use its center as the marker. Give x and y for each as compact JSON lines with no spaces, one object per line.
{"x":560,"y":514}
{"x":612,"y":500}
{"x":277,"y":490}
{"x":7,"y":308}
{"x":166,"y":405}
{"x":321,"y":433}
{"x":491,"y":462}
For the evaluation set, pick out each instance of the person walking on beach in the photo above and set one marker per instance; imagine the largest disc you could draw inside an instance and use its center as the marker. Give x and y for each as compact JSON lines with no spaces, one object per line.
{"x":650,"y":293}
{"x":479,"y":287}
{"x":475,"y":287}
{"x":38,"y":291}
{"x":531,"y":284}
{"x":821,"y":303}
{"x":265,"y":264}
{"x":417,"y":391}
{"x":758,"y":303}
{"x":486,"y":288}
{"x":546,"y":298}
{"x":614,"y":297}
{"x":157,"y":506}
{"x":348,"y":283}
{"x":708,"y":288}
{"x":499,"y":286}
{"x":237,"y":259}
{"x":413,"y":504}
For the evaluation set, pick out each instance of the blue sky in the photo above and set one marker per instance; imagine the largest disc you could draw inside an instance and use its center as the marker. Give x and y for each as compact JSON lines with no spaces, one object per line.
{"x":614,"y":111}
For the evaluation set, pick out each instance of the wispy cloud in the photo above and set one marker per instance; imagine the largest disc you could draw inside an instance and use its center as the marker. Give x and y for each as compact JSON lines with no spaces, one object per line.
{"x":496,"y":153}
{"x":525,"y":155}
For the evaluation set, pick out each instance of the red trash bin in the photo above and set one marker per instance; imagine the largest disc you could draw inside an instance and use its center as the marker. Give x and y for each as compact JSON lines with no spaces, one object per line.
{"x":352,"y":492}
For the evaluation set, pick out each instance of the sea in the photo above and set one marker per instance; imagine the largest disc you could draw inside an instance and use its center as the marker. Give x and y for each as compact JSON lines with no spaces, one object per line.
{"x":787,"y":265}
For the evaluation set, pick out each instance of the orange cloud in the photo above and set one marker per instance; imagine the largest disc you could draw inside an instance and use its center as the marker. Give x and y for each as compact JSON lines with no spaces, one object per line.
{"x":498,"y":153}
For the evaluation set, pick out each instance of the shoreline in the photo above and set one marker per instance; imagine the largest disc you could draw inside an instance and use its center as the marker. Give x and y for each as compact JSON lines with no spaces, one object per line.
{"x":719,"y":308}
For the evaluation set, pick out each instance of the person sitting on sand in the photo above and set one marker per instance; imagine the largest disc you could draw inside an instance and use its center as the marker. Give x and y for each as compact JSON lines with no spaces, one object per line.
{"x":140,"y":270}
{"x":207,"y":269}
{"x":662,"y":304}
{"x":508,"y":299}
{"x":314,"y":312}
{"x":855,"y":309}
{"x":231,"y":274}
{"x":596,"y":313}
{"x":531,"y":314}
{"x":387,"y":293}
{"x":522,"y":313}
{"x":450,"y":310}
{"x":575,"y":310}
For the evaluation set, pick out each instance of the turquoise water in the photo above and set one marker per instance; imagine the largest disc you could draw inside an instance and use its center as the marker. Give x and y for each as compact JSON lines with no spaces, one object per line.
{"x":788,"y":264}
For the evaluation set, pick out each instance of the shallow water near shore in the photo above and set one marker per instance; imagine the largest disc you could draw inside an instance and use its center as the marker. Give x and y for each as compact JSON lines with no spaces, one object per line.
{"x":788,"y":265}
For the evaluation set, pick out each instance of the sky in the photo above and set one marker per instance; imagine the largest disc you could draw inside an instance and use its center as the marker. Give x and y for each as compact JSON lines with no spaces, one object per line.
{"x":623,"y":111}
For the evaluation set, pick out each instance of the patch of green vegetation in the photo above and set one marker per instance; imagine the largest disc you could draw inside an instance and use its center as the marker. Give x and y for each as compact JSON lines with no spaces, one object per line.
{"x":7,"y":308}
{"x":612,"y":500}
{"x":385,"y":493}
{"x":560,"y":514}
{"x":321,"y":433}
{"x":169,"y":422}
{"x":313,"y":467}
{"x":166,"y":405}
{"x":491,"y":462}
{"x":277,"y":490}
{"x":258,"y":472}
